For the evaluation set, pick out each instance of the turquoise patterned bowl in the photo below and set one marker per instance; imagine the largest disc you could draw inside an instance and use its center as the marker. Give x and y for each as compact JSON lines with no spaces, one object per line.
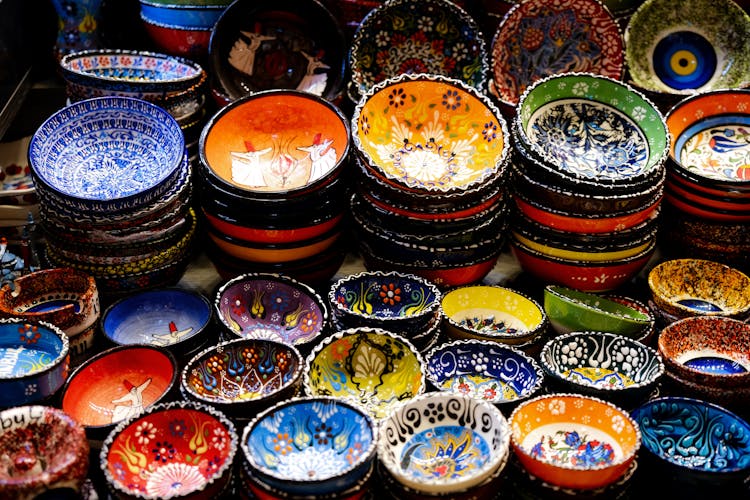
{"x":310,"y":446}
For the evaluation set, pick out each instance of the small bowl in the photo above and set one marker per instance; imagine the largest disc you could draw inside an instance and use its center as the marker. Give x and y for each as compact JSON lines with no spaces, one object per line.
{"x":691,"y":287}
{"x":117,"y":384}
{"x":35,"y":364}
{"x":171,"y":450}
{"x":709,"y":350}
{"x":202,"y":15}
{"x":491,"y":313}
{"x":45,"y":453}
{"x":604,"y":440}
{"x":645,"y":336}
{"x":605,"y":365}
{"x":394,"y":301}
{"x":485,"y":370}
{"x":310,"y":446}
{"x":695,"y":441}
{"x":374,"y":367}
{"x":243,"y":376}
{"x":571,"y":310}
{"x":705,"y":211}
{"x":190,"y":43}
{"x":175,"y":318}
{"x":271,"y":306}
{"x":439,"y":443}
{"x":592,"y":254}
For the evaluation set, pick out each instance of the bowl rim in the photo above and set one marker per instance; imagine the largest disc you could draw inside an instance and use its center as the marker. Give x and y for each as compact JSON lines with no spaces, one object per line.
{"x":219,"y":347}
{"x":585,"y":264}
{"x":166,"y":407}
{"x":53,"y":364}
{"x":563,"y":293}
{"x":366,"y":456}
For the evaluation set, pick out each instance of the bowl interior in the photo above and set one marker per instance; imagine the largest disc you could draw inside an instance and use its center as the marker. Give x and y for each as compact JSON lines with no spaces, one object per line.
{"x":27,"y":349}
{"x":118,"y":384}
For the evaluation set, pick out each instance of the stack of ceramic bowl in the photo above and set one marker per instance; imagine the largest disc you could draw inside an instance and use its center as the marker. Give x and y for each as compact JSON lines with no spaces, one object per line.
{"x":177,"y":85}
{"x":587,"y":175}
{"x":708,"y":178}
{"x":272,"y":188}
{"x":431,"y":162}
{"x":114,"y":185}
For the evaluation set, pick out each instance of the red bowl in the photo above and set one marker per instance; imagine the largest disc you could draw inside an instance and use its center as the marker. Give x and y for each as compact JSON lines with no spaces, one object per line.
{"x":720,"y":202}
{"x":191,"y":43}
{"x":704,"y":212}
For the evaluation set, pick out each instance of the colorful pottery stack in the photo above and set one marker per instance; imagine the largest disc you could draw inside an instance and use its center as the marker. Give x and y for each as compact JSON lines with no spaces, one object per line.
{"x":114,"y":185}
{"x":272,"y":185}
{"x":708,"y":178}
{"x":431,"y":162}
{"x":587,"y":174}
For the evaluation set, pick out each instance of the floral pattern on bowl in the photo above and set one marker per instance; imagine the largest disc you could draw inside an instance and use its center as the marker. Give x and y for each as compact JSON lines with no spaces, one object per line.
{"x":16,"y":183}
{"x":536,"y":39}
{"x":403,"y":37}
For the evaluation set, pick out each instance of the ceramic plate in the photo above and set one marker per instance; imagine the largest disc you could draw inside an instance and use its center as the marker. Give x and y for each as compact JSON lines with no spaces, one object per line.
{"x":430,"y":36}
{"x":539,"y":38}
{"x":688,"y":46}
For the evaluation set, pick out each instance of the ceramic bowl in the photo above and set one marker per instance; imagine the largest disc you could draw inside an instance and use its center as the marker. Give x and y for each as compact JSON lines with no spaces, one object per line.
{"x":491,"y":313}
{"x":117,"y":384}
{"x":670,"y":426}
{"x":574,"y":441}
{"x":171,"y":450}
{"x":275,"y":144}
{"x":571,"y":310}
{"x":721,"y":204}
{"x":708,"y":350}
{"x":68,"y":151}
{"x":243,"y":376}
{"x":485,"y":370}
{"x":278,"y":44}
{"x":175,"y":318}
{"x":677,"y":51}
{"x":189,"y":15}
{"x":271,"y":306}
{"x":182,"y":41}
{"x":691,"y":287}
{"x":705,"y":211}
{"x":64,"y":297}
{"x":535,"y":40}
{"x":605,"y":365}
{"x":35,"y":363}
{"x":375,"y":367}
{"x":16,"y":184}
{"x":310,"y":446}
{"x":443,"y":442}
{"x":583,"y":253}
{"x":556,"y":115}
{"x":645,"y":336}
{"x":45,"y":453}
{"x":436,"y":37}
{"x":393,"y":301}
{"x":411,"y":120}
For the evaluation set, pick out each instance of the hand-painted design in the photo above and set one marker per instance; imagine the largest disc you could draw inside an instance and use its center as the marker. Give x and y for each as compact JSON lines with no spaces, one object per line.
{"x":717,"y":148}
{"x":699,"y":305}
{"x":174,"y":479}
{"x":20,"y":361}
{"x":242,"y":54}
{"x":599,"y":377}
{"x":715,"y":365}
{"x":173,"y":337}
{"x":385,"y":298}
{"x":485,"y":324}
{"x":30,"y":334}
{"x":684,"y":60}
{"x":314,"y":82}
{"x":570,"y":448}
{"x":590,"y":139}
{"x":443,"y":452}
{"x":131,"y":404}
{"x":481,"y":387}
{"x":131,"y":66}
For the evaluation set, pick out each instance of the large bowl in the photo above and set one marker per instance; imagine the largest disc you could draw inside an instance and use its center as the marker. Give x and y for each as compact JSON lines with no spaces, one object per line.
{"x":574,"y":441}
{"x":440,"y":443}
{"x":310,"y":446}
{"x":35,"y":361}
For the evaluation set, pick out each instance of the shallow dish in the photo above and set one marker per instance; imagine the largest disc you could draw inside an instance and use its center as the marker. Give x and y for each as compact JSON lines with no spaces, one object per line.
{"x":374,"y":367}
{"x":604,"y":440}
{"x":44,"y":450}
{"x":35,"y":361}
{"x":310,"y":446}
{"x":171,"y":450}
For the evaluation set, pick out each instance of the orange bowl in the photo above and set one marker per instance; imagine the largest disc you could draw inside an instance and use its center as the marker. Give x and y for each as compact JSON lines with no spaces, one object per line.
{"x":274,"y":252}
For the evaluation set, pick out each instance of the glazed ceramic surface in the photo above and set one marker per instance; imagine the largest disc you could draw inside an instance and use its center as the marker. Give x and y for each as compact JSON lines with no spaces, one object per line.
{"x":311,"y":445}
{"x":374,"y":367}
{"x":34,"y":361}
{"x":538,"y":39}
{"x":678,"y":50}
{"x":401,"y":37}
{"x":172,"y":450}
{"x":165,"y":317}
{"x":484,"y":370}
{"x":275,"y":141}
{"x":271,"y":306}
{"x":187,"y":15}
{"x":696,"y":436}
{"x":107,"y":153}
{"x":574,"y":441}
{"x":43,"y":449}
{"x":560,"y":117}
{"x":243,"y":370}
{"x":439,"y":443}
{"x":409,"y":123}
{"x":16,"y":184}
